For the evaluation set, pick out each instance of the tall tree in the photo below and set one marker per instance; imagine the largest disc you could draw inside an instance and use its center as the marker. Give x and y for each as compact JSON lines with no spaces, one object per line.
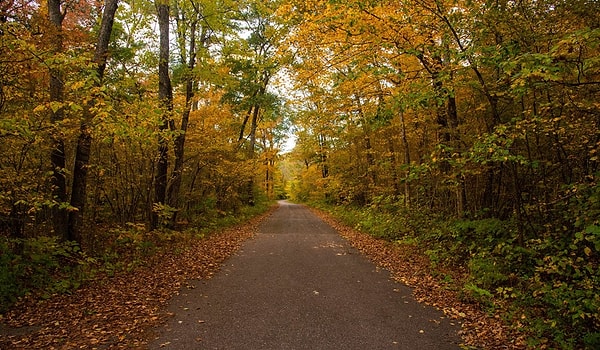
{"x":254,"y":62}
{"x":195,"y":27}
{"x":56,"y":14}
{"x":165,"y":97}
{"x":84,"y":141}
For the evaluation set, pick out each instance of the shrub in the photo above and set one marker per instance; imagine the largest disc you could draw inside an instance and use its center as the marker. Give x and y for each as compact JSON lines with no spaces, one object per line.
{"x":42,"y":264}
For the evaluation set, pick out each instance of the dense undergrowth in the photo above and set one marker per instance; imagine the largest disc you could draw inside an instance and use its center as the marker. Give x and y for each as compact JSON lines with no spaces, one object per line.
{"x":44,"y":266}
{"x":546,"y":285}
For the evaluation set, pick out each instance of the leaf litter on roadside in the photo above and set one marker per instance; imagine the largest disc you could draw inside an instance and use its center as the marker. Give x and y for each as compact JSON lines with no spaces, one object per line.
{"x":120,"y":311}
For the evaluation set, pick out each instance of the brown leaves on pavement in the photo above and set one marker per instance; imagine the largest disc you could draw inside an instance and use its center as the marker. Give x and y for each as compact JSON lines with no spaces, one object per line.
{"x":118,"y":312}
{"x":407,"y":265}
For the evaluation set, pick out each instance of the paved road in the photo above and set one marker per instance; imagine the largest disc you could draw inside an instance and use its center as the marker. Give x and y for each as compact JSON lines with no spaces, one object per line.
{"x":299,"y":285}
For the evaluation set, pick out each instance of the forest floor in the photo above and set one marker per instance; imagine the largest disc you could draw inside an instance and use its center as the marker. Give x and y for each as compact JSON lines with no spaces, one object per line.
{"x":123,"y":311}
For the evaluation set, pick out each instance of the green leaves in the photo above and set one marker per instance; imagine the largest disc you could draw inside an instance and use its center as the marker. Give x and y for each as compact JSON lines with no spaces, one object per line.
{"x":44,"y":265}
{"x":497,"y":147}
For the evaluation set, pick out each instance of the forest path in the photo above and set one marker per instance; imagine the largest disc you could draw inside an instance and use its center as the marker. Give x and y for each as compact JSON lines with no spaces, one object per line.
{"x":299,"y":285}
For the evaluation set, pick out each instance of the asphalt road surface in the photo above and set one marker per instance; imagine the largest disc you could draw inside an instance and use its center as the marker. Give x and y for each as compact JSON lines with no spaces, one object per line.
{"x":299,"y":285}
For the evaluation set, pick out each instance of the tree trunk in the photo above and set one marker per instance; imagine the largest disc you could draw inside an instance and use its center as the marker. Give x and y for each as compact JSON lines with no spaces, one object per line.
{"x":84,"y":141}
{"x":366,"y":128}
{"x":447,"y":120}
{"x":174,"y":188}
{"x":251,"y":153}
{"x":407,"y":161}
{"x":57,"y":155}
{"x":323,"y":155}
{"x":165,"y":96}
{"x":246,"y":118}
{"x":253,"y":126}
